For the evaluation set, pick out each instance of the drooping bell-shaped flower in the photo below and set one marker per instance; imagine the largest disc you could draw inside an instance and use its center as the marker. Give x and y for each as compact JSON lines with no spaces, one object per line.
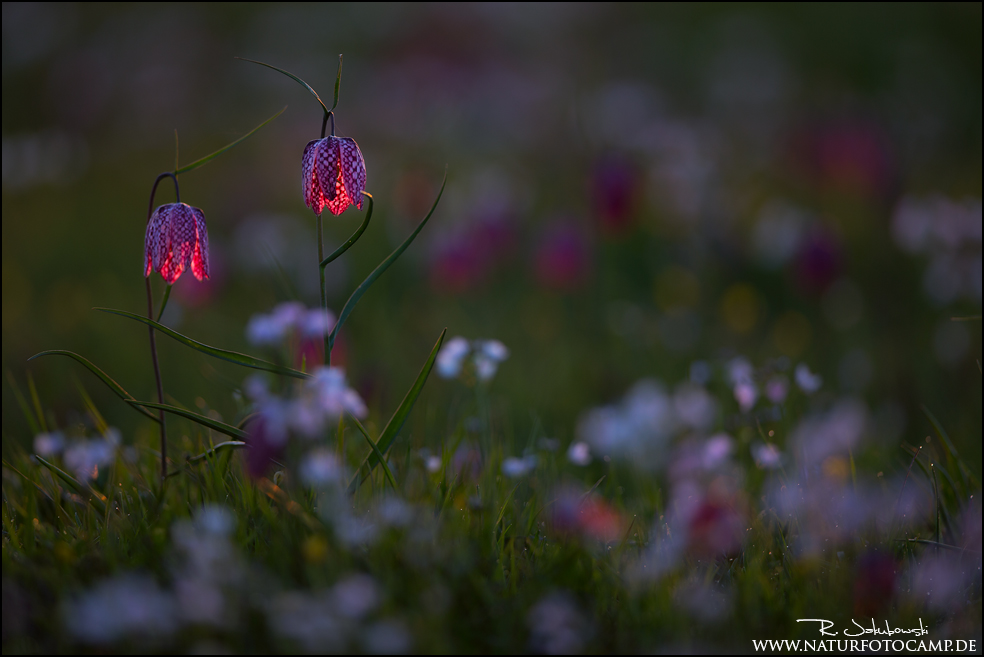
{"x":176,"y":239}
{"x":334,"y":174}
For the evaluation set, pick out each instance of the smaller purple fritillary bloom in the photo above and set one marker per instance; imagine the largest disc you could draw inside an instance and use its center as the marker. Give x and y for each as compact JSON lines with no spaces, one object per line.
{"x":176,"y":238}
{"x":334,"y":174}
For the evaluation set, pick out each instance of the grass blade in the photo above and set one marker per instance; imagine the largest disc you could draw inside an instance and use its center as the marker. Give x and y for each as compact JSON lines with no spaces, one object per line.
{"x":72,"y":482}
{"x":105,"y":378}
{"x":393,"y":427}
{"x":203,"y":420}
{"x":378,"y":271}
{"x":375,"y":450}
{"x":298,"y":80}
{"x":205,"y":160}
{"x":338,"y":82}
{"x":244,"y":360}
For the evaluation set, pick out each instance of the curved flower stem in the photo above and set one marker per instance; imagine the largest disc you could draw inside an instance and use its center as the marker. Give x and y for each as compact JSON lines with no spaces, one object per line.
{"x":150,"y":315}
{"x":355,"y":236}
{"x":167,"y":295}
{"x":329,"y":341}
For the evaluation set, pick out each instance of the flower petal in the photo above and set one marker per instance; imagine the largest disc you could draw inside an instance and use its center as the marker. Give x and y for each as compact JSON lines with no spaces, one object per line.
{"x":313,"y":196}
{"x":341,"y":200}
{"x":326,"y":167}
{"x":353,"y":170}
{"x":199,"y":257}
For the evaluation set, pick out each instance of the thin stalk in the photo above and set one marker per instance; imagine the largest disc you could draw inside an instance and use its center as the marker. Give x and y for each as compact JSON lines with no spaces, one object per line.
{"x":167,"y":295}
{"x":150,"y":316}
{"x":321,"y":278}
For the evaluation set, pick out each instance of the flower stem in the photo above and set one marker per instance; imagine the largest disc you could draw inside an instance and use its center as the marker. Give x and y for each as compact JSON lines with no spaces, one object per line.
{"x":167,"y":295}
{"x":150,"y":316}
{"x":157,"y":377}
{"x":321,"y":278}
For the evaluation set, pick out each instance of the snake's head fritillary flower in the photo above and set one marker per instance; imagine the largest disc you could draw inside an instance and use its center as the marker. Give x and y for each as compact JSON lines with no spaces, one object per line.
{"x":176,"y":239}
{"x":334,"y":174}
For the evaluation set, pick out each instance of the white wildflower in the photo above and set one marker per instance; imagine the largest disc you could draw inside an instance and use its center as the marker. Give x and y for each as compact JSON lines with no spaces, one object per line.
{"x":451,"y":356}
{"x":807,"y":380}
{"x":579,"y":453}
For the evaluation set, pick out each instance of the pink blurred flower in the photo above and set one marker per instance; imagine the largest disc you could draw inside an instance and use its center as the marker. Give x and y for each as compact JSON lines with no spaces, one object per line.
{"x":591,"y":517}
{"x":614,"y":192}
{"x":715,"y":527}
{"x":562,"y":258}
{"x":176,"y":239}
{"x":874,"y":584}
{"x":333,"y":174}
{"x":850,"y":156}
{"x":819,"y":261}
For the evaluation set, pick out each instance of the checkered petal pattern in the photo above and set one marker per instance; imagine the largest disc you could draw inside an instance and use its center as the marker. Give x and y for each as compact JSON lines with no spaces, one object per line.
{"x":333,"y":175}
{"x":176,"y":239}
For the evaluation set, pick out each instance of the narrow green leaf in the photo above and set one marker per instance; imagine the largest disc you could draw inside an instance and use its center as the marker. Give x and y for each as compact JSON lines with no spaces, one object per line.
{"x":72,"y":482}
{"x":244,"y":360}
{"x":378,"y":271}
{"x":22,"y":402}
{"x":295,"y":79}
{"x":203,"y":420}
{"x":229,"y":444}
{"x":355,"y":236}
{"x":338,"y":82}
{"x":208,"y":158}
{"x":105,"y":378}
{"x":393,"y":427}
{"x":375,"y":450}
{"x":167,"y":295}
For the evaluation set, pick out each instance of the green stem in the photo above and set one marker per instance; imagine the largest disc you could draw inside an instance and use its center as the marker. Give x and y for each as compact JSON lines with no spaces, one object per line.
{"x":321,"y":278}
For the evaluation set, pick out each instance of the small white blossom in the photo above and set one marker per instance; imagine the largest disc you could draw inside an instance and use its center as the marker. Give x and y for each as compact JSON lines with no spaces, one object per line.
{"x":49,"y":444}
{"x":83,"y":457}
{"x":451,"y":356}
{"x":579,"y":453}
{"x":807,"y":380}
{"x":746,"y":394}
{"x":125,"y":606}
{"x":514,"y":468}
{"x":767,"y":456}
{"x":284,"y":319}
{"x":320,"y":467}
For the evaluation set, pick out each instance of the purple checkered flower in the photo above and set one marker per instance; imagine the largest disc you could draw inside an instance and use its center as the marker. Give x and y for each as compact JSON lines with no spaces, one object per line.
{"x":334,"y":174}
{"x":176,"y":239}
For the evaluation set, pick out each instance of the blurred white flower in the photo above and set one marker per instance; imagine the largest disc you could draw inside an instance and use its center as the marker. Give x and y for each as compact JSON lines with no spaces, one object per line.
{"x":387,"y":637}
{"x":320,"y":467}
{"x":275,"y":327}
{"x":695,"y":407}
{"x":637,"y":429}
{"x":514,"y":468}
{"x":308,"y":620}
{"x":355,"y":597}
{"x":434,"y":464}
{"x":121,"y":607}
{"x":746,"y":394}
{"x":49,"y":444}
{"x":832,"y":433}
{"x":557,"y":627}
{"x":488,"y":355}
{"x":740,"y":371}
{"x":716,"y":451}
{"x":451,"y":356}
{"x":579,"y":453}
{"x":776,"y":389}
{"x":807,"y":380}
{"x":766,"y":455}
{"x":83,"y":457}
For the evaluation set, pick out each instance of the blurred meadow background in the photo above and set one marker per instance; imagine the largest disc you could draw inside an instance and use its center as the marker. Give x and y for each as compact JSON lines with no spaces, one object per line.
{"x":663,"y":192}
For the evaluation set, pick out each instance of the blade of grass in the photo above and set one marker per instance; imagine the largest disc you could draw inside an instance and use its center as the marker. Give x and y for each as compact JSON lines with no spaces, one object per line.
{"x":105,"y":378}
{"x":22,"y":402}
{"x":952,"y":456}
{"x":296,"y":79}
{"x":393,"y":427}
{"x":243,"y":360}
{"x":72,"y":482}
{"x":205,"y":160}
{"x":378,"y":271}
{"x":215,"y":425}
{"x":31,"y":388}
{"x":375,"y":450}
